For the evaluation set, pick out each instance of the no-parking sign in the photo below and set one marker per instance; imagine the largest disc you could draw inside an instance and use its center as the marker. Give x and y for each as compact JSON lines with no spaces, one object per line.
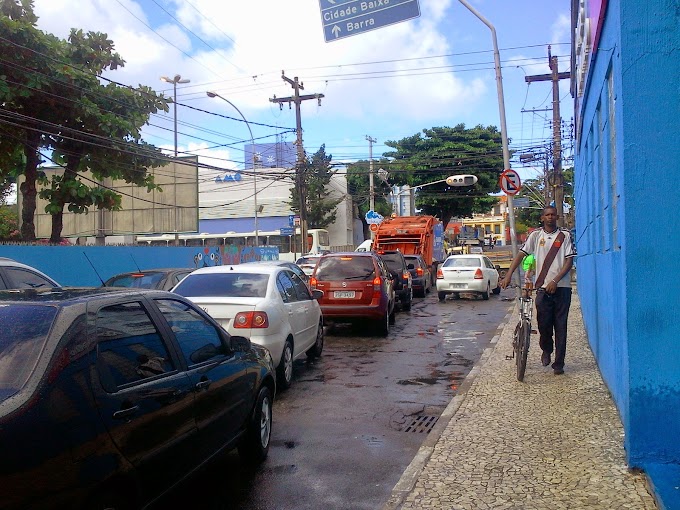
{"x":510,"y":182}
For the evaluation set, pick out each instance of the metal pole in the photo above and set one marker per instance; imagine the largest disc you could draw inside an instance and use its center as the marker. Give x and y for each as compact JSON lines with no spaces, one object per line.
{"x":252,"y":144}
{"x":504,"y":132}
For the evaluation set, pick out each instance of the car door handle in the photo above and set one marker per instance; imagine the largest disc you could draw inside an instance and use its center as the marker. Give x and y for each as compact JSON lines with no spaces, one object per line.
{"x":125,"y":413}
{"x":203,"y":384}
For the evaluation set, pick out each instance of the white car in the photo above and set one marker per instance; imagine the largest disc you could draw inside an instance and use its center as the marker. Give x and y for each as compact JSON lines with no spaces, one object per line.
{"x":270,"y":304}
{"x":15,"y":275}
{"x":308,"y":262}
{"x":467,"y":273}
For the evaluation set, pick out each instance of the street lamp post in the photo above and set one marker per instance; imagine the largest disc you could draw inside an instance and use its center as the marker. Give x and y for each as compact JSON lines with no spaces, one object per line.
{"x":252,"y":144}
{"x":177,"y":79}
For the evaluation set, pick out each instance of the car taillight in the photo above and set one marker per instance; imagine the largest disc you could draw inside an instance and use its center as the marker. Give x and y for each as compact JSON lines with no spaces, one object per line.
{"x":406,"y":275}
{"x":313,"y":282}
{"x":440,"y":274}
{"x":419,"y":271}
{"x":251,"y":320}
{"x":377,"y":287}
{"x":478,"y":274}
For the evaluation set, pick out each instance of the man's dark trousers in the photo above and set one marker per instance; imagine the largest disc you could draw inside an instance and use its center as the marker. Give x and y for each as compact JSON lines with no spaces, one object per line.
{"x":552,"y":311}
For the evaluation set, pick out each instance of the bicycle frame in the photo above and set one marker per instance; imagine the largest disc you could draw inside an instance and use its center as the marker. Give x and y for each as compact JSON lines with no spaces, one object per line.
{"x":522,"y":335}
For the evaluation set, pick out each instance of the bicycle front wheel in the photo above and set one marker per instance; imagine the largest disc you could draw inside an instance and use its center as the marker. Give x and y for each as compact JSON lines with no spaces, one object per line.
{"x":524,"y":338}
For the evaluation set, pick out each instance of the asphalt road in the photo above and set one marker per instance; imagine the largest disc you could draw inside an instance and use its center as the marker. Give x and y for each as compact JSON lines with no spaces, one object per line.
{"x":354,"y":419}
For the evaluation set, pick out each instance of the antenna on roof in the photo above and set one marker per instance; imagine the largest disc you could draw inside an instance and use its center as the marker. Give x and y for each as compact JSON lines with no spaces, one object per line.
{"x":136,"y":265}
{"x":95,"y":269}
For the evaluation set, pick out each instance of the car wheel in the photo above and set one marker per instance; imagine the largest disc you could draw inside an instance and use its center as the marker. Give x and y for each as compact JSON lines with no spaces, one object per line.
{"x":393,"y":316}
{"x":254,"y":446}
{"x":441,"y":295}
{"x":284,"y":371}
{"x":407,"y":303}
{"x":421,"y":293}
{"x":497,"y":290}
{"x":485,"y":295}
{"x":315,"y":350}
{"x":383,"y":326}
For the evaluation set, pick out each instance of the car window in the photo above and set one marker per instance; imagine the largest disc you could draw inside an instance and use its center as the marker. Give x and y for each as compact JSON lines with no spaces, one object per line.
{"x":179,"y":277}
{"x":23,"y":332}
{"x":230,"y":284}
{"x":129,"y":346}
{"x":393,"y":260}
{"x":136,"y":280}
{"x":21,"y":278}
{"x":301,"y":288}
{"x":347,"y":267}
{"x":198,"y":339}
{"x":462,"y":262}
{"x":284,"y":281}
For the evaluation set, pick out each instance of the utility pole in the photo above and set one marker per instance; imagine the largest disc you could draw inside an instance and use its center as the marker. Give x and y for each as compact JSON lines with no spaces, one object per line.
{"x":371,"y":186}
{"x":299,"y":177}
{"x":556,"y":179}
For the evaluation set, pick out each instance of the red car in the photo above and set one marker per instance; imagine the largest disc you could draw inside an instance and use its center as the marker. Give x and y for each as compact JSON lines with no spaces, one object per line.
{"x":357,"y":286}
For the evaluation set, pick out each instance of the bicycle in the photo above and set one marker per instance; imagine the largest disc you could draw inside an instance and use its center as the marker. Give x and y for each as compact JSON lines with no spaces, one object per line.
{"x":522,"y":335}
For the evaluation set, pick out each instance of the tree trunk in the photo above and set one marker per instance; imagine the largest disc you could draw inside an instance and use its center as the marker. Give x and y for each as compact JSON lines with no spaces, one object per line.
{"x":28,"y":188}
{"x":57,"y":225}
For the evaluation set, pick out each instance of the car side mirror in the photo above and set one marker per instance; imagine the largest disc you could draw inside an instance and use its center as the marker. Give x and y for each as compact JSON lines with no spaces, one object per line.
{"x":239,"y":343}
{"x":410,"y":266}
{"x":317,"y":294}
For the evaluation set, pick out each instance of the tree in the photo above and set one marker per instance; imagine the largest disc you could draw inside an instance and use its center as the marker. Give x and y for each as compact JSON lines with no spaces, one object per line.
{"x":445,"y":151}
{"x":316,"y":173}
{"x":87,"y":125}
{"x":359,"y":188}
{"x":9,"y":223}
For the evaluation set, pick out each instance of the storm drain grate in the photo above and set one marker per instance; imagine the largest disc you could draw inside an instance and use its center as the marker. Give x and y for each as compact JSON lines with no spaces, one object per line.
{"x":422,"y":424}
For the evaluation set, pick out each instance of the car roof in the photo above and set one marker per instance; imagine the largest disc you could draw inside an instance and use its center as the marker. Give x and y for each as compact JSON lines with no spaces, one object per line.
{"x":465,"y":256}
{"x":159,"y":270}
{"x":8,"y":262}
{"x":68,"y":294}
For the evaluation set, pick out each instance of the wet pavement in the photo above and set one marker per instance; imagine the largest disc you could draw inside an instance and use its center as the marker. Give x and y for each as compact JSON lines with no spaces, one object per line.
{"x":552,"y":442}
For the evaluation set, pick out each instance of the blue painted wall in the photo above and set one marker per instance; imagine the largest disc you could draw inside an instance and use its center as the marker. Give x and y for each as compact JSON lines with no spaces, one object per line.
{"x":626,"y":222}
{"x":84,"y":265}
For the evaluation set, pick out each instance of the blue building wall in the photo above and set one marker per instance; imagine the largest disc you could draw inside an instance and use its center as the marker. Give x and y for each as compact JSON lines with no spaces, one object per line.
{"x":626,"y":222}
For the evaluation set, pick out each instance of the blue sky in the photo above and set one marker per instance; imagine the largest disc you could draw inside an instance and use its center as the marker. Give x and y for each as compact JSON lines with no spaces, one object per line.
{"x":389,"y":83}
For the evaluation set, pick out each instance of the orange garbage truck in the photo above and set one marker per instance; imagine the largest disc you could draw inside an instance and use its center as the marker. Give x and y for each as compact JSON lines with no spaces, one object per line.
{"x":413,"y":235}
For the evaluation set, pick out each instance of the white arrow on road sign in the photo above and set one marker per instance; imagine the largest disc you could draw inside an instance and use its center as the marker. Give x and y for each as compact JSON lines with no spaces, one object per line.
{"x":335,"y":30}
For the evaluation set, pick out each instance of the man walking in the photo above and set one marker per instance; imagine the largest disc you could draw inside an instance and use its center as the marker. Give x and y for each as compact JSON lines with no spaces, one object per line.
{"x":554,"y":251}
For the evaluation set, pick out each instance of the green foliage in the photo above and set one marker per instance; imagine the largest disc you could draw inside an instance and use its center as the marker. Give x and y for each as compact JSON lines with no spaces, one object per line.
{"x":316,"y":174}
{"x":440,"y":152}
{"x":359,"y":188}
{"x":50,"y":88}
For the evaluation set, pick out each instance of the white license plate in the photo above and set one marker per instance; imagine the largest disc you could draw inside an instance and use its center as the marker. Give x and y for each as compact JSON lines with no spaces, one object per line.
{"x":458,"y":285}
{"x":343,"y":294}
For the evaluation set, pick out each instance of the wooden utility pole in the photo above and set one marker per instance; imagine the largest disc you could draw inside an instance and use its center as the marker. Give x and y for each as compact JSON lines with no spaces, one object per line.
{"x":556,"y":179}
{"x":300,"y":181}
{"x":371,"y":185}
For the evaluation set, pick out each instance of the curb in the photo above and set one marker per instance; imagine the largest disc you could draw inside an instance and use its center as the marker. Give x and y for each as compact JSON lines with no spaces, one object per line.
{"x":410,"y":475}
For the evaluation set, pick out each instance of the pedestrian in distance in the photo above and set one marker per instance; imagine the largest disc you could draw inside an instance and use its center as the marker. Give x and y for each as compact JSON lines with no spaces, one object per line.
{"x":554,"y":250}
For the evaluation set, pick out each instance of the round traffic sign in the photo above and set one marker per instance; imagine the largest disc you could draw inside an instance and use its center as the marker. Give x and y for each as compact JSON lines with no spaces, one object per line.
{"x":510,"y":182}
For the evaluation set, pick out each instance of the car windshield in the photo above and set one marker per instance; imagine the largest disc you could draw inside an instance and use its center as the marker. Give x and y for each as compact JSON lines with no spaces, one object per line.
{"x":224,"y":285}
{"x":136,"y":280}
{"x":23,"y":332}
{"x":463,"y":262}
{"x":307,"y":260}
{"x":345,"y":268}
{"x":412,"y":260}
{"x":393,"y":261}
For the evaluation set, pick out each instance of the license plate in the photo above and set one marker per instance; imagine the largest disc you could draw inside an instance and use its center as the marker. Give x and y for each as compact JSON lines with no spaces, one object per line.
{"x":343,"y":294}
{"x":458,"y":285}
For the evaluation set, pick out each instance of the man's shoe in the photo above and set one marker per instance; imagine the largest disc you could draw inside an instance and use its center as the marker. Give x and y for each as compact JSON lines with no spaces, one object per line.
{"x":558,"y":371}
{"x":545,"y":359}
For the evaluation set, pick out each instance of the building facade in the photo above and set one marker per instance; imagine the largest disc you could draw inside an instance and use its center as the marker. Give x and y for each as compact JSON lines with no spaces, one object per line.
{"x":625,"y":76}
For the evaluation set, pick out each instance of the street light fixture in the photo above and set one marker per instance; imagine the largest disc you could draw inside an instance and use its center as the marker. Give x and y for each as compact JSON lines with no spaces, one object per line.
{"x":177,"y":79}
{"x":252,"y":142}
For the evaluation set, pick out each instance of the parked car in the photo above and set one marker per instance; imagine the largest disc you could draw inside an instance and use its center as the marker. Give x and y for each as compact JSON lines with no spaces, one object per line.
{"x":357,"y":287}
{"x":15,"y":275}
{"x":111,"y":397}
{"x":268,"y":303}
{"x":288,"y":265}
{"x":420,"y":275}
{"x":159,"y":279}
{"x":307,"y":263}
{"x":403,"y":283}
{"x":467,"y":273}
{"x":366,"y":245}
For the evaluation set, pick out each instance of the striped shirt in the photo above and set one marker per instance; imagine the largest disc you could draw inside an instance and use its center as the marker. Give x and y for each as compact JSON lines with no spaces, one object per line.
{"x":539,"y":243}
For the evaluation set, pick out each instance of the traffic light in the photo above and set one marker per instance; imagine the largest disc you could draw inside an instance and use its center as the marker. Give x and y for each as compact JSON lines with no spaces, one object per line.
{"x":461,"y":180}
